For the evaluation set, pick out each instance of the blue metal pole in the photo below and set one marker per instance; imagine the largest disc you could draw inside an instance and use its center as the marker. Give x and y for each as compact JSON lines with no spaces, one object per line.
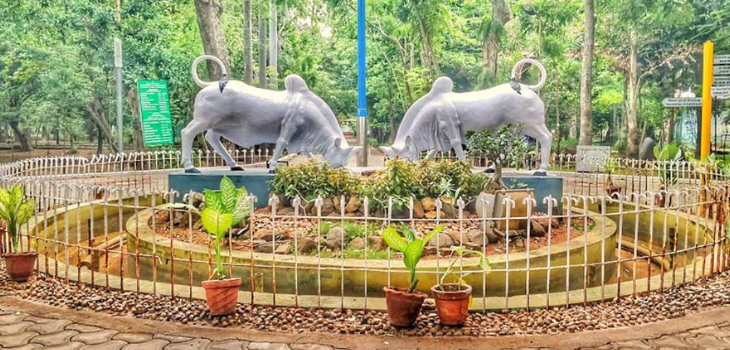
{"x":362,"y":111}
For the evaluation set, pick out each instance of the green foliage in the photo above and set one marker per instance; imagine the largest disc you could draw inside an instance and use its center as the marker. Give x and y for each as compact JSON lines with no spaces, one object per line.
{"x":461,"y":251}
{"x":670,"y":152}
{"x":411,"y":247}
{"x":506,"y":147}
{"x":15,"y":211}
{"x":224,"y":209}
{"x":312,"y":179}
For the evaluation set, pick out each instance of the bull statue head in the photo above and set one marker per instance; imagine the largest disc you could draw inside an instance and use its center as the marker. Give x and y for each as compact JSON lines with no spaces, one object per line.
{"x":339,"y":155}
{"x":405,"y":150}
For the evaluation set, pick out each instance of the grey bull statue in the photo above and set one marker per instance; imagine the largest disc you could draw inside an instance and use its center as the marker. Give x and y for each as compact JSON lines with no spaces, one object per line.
{"x":295,"y":119}
{"x":439,"y":120}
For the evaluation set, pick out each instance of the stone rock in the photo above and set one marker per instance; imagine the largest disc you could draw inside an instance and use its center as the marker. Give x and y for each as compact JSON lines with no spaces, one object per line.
{"x":430,"y":215}
{"x":306,"y":245}
{"x":334,"y":238}
{"x":262,"y":246}
{"x":455,"y":236}
{"x":328,"y":206}
{"x":418,"y":211}
{"x":429,"y":204}
{"x":357,"y":243}
{"x":377,"y":243}
{"x":198,"y":199}
{"x":646,"y":152}
{"x":283,"y":248}
{"x":442,"y":241}
{"x":475,"y":236}
{"x":536,"y":229}
{"x":264,"y":234}
{"x":489,"y":232}
{"x":353,"y":204}
{"x":448,"y":210}
{"x":286,"y":211}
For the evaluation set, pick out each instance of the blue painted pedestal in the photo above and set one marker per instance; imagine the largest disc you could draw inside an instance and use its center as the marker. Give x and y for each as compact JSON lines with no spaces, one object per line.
{"x":543,"y":186}
{"x":256,"y":182}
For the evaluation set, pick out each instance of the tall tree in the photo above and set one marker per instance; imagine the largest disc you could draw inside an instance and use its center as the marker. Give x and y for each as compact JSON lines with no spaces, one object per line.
{"x":208,"y":13}
{"x":262,"y":43}
{"x":247,"y":43}
{"x":273,"y":44}
{"x":492,"y":28}
{"x":586,"y":77}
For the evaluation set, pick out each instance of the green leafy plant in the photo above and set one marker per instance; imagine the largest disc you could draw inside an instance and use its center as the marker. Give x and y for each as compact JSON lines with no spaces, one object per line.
{"x":15,"y":210}
{"x":505,"y":147}
{"x":670,"y":152}
{"x":223,"y":210}
{"x":410,"y":246}
{"x":460,"y":252}
{"x":312,"y":179}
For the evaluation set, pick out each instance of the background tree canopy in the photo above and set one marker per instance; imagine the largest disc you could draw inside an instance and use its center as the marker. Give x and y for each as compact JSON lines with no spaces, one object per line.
{"x":57,"y":77}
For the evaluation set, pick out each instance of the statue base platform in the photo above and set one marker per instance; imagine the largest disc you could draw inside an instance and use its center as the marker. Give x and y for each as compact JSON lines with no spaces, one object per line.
{"x":256,"y":181}
{"x":543,"y":187}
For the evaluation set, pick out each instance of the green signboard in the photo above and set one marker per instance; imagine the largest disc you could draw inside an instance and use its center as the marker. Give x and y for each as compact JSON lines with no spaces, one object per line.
{"x":154,"y":107}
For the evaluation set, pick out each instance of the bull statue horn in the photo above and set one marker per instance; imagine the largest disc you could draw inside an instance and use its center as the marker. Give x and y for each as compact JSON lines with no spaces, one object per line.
{"x":357,"y":149}
{"x":387,"y":150}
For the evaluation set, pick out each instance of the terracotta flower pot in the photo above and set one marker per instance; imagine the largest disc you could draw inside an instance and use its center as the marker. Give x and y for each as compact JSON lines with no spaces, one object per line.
{"x":403,"y":307}
{"x":20,"y":266}
{"x":221,"y":295}
{"x":452,"y":303}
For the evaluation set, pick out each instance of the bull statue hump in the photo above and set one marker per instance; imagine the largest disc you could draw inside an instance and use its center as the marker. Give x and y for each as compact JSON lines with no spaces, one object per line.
{"x":294,"y":119}
{"x":439,"y":120}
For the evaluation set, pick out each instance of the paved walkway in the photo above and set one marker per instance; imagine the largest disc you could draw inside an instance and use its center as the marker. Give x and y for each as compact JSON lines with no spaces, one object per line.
{"x":28,"y":326}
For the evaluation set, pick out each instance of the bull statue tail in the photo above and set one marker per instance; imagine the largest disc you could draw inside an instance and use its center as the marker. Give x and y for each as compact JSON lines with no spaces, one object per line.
{"x":543,"y":73}
{"x":202,"y":84}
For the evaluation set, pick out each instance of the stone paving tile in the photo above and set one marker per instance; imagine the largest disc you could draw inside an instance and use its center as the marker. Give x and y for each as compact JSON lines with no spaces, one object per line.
{"x":96,"y":337}
{"x":713,"y":331}
{"x":37,"y":319}
{"x":133,"y":337}
{"x":705,"y":341}
{"x":310,"y":347}
{"x":82,"y":328}
{"x":196,"y":344}
{"x":109,"y":345}
{"x":18,"y":339}
{"x":268,"y":346}
{"x":54,"y":326}
{"x":669,"y":341}
{"x":55,"y":339}
{"x":172,"y":338}
{"x":154,"y":344}
{"x":67,"y":346}
{"x":229,"y":345}
{"x":14,"y":328}
{"x":27,"y":347}
{"x":12,"y":318}
{"x":631,"y":344}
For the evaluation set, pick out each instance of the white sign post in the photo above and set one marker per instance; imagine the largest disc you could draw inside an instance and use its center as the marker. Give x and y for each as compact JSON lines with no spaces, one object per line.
{"x":720,"y":92}
{"x":722,"y":59}
{"x":682,"y":102}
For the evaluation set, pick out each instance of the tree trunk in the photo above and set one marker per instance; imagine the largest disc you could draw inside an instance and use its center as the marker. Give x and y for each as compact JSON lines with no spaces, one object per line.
{"x":586,"y":78}
{"x":573,"y":132}
{"x":557,"y":135}
{"x":96,"y":112}
{"x":490,"y":42}
{"x":670,"y":128}
{"x":431,"y":62}
{"x":99,"y":141}
{"x":208,"y":13}
{"x":633,"y":97}
{"x":262,"y":45}
{"x":273,"y":45}
{"x":133,"y":102}
{"x":21,"y":137}
{"x":247,"y":44}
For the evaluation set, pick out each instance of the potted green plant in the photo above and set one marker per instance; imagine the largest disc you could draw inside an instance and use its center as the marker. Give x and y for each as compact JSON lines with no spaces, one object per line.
{"x":223,"y":210}
{"x":453,"y":299}
{"x":16,"y":210}
{"x":404,"y":304}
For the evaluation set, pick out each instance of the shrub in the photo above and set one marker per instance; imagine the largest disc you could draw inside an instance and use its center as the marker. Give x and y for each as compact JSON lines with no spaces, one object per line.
{"x":312,"y":179}
{"x":505,"y":147}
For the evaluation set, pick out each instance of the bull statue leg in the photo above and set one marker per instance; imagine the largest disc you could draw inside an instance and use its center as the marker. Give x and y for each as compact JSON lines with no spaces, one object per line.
{"x":214,"y":139}
{"x":432,"y":153}
{"x":449,"y":122}
{"x":288,"y":129}
{"x":541,"y":133}
{"x":188,"y":136}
